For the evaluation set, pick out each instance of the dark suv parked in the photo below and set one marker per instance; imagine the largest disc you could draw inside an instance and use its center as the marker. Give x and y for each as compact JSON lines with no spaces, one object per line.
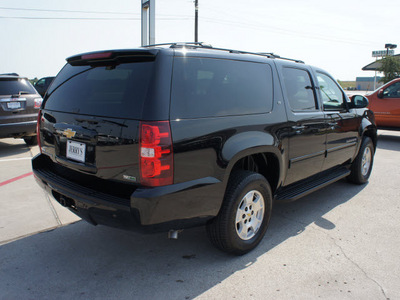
{"x":19,"y":106}
{"x":166,"y":138}
{"x":43,"y":84}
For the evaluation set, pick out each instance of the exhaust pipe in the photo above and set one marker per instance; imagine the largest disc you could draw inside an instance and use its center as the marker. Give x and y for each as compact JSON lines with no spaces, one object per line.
{"x":63,"y":201}
{"x":173,"y":234}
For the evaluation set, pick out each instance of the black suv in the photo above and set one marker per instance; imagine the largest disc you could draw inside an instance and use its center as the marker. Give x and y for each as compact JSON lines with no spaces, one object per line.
{"x":166,"y":138}
{"x":43,"y":84}
{"x":19,"y":107}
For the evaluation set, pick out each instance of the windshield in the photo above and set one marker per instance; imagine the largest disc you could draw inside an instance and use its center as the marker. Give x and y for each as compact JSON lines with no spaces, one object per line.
{"x":110,"y":91}
{"x":14,"y":86}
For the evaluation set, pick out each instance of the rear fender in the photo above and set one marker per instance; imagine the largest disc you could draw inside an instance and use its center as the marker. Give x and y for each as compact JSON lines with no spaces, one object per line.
{"x":368,"y":127}
{"x":249,"y":143}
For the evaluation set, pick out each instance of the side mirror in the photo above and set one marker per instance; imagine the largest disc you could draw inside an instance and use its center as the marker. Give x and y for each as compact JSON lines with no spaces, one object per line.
{"x":380,"y":94}
{"x":358,"y":101}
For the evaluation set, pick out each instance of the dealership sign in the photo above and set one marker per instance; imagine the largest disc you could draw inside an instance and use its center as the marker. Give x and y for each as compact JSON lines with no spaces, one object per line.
{"x":380,"y":53}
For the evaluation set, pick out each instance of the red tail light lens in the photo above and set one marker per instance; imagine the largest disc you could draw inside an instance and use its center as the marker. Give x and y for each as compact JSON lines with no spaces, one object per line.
{"x":38,"y":102}
{"x":38,"y":129}
{"x":155,"y":153}
{"x":97,"y":55}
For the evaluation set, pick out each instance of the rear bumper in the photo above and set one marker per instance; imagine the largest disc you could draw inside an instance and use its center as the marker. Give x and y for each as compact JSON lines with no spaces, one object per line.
{"x":164,"y":208}
{"x":20,"y":129}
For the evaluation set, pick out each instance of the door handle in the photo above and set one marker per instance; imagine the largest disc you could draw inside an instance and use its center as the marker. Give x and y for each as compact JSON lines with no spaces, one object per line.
{"x":332,"y":126}
{"x":298,"y":127}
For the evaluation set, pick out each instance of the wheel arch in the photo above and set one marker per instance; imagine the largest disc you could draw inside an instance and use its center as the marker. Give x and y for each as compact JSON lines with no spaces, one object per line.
{"x":265,"y":160}
{"x":368,"y":127}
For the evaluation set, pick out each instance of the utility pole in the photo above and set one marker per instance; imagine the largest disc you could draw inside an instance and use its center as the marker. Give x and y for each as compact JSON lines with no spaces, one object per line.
{"x":196,"y":20}
{"x":148,"y":22}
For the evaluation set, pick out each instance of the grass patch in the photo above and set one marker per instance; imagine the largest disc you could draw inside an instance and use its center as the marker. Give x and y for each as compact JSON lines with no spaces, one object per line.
{"x":347,"y":84}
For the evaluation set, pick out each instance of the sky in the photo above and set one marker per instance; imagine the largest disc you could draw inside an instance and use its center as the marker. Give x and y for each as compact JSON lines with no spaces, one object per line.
{"x":338,"y":36}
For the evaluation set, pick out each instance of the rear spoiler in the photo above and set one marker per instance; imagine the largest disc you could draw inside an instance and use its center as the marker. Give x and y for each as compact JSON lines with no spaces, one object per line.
{"x":113,"y":57}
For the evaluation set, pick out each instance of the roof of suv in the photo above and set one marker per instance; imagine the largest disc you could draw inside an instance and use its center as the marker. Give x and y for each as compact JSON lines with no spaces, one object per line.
{"x":151,"y":51}
{"x":209,"y":47}
{"x":11,"y":76}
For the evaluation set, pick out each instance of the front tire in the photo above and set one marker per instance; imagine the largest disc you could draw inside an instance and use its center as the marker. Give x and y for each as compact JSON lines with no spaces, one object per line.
{"x":362,"y":166}
{"x":244,"y":216}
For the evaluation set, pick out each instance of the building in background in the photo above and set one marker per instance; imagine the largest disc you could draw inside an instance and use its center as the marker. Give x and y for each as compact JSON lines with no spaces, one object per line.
{"x":367,"y":83}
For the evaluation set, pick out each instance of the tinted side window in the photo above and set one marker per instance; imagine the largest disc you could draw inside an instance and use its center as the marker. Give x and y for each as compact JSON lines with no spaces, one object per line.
{"x":299,"y":89}
{"x":40,"y":83}
{"x":332,"y":95}
{"x":203,"y":87}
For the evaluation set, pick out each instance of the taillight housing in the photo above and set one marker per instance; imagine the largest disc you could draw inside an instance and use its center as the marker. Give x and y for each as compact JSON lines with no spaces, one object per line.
{"x":39,"y":119}
{"x":155,"y":154}
{"x":38,"y":102}
{"x":97,"y":55}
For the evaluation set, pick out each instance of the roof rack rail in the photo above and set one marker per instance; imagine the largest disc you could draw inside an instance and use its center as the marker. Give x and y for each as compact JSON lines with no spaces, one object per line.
{"x":180,"y":44}
{"x":269,"y":55}
{"x":203,"y":45}
{"x":10,"y":74}
{"x":280,"y":57}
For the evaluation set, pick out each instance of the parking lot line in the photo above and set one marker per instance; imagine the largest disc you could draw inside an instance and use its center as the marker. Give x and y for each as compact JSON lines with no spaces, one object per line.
{"x":13,"y":159}
{"x":15,"y":178}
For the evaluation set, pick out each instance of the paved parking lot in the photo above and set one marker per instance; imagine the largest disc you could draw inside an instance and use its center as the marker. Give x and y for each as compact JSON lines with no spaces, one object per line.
{"x":342,"y":242}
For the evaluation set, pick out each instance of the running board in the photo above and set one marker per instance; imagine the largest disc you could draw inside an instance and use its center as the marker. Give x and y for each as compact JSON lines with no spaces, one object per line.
{"x":309,"y":185}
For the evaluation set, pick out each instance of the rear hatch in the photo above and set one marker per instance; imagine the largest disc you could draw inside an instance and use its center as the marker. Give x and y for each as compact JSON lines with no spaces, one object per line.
{"x":91,"y":113}
{"x":19,"y":101}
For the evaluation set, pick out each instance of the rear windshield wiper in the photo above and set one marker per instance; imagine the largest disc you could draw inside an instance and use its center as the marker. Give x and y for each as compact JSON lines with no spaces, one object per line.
{"x":93,"y":121}
{"x":21,"y":93}
{"x":116,"y":123}
{"x":24,"y":92}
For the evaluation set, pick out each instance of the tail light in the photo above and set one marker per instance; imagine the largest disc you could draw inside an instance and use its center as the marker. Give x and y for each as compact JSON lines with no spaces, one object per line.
{"x":38,"y":102}
{"x":38,"y":130}
{"x":155,"y":154}
{"x":98,"y":55}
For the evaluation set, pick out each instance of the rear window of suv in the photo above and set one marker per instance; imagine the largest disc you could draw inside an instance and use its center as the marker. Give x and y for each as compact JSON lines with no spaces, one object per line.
{"x":14,"y":86}
{"x":204,"y":87}
{"x":114,"y":91}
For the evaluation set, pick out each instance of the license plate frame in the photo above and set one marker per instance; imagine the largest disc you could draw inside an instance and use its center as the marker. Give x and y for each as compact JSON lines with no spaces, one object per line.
{"x":76,"y":151}
{"x":13,"y":105}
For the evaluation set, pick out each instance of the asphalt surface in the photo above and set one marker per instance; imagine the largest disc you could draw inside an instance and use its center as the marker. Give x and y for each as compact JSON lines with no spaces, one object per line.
{"x":342,"y":242}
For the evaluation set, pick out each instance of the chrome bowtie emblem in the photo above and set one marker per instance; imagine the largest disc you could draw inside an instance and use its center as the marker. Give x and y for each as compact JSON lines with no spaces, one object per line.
{"x":69,"y":133}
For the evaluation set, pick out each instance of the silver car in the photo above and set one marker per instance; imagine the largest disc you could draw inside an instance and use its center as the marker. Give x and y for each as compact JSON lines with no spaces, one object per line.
{"x":19,"y":106}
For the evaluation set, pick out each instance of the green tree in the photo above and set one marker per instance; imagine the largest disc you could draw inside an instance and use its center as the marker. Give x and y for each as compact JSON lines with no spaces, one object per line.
{"x":33,"y":80}
{"x":390,"y":66}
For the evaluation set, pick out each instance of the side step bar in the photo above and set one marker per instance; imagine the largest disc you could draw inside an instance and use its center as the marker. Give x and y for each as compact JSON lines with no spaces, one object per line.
{"x":300,"y":189}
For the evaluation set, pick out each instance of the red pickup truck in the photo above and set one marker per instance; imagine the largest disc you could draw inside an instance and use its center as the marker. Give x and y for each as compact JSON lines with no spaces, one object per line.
{"x":385,"y":103}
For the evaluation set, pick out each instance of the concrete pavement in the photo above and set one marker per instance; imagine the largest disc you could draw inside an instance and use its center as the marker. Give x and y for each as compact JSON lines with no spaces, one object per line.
{"x":24,"y":207}
{"x":342,"y":242}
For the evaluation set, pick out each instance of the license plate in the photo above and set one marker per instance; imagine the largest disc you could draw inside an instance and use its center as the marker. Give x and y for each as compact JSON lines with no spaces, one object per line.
{"x":76,"y":151}
{"x":13,"y":105}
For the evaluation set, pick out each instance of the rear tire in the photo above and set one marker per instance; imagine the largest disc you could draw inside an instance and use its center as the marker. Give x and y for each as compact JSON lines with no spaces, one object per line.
{"x":31,"y":140}
{"x":362,"y":166}
{"x":244,"y":216}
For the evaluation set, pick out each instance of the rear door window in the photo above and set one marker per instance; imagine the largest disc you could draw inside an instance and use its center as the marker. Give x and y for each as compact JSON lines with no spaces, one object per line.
{"x":204,"y":87}
{"x":299,"y":89}
{"x":114,"y":91}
